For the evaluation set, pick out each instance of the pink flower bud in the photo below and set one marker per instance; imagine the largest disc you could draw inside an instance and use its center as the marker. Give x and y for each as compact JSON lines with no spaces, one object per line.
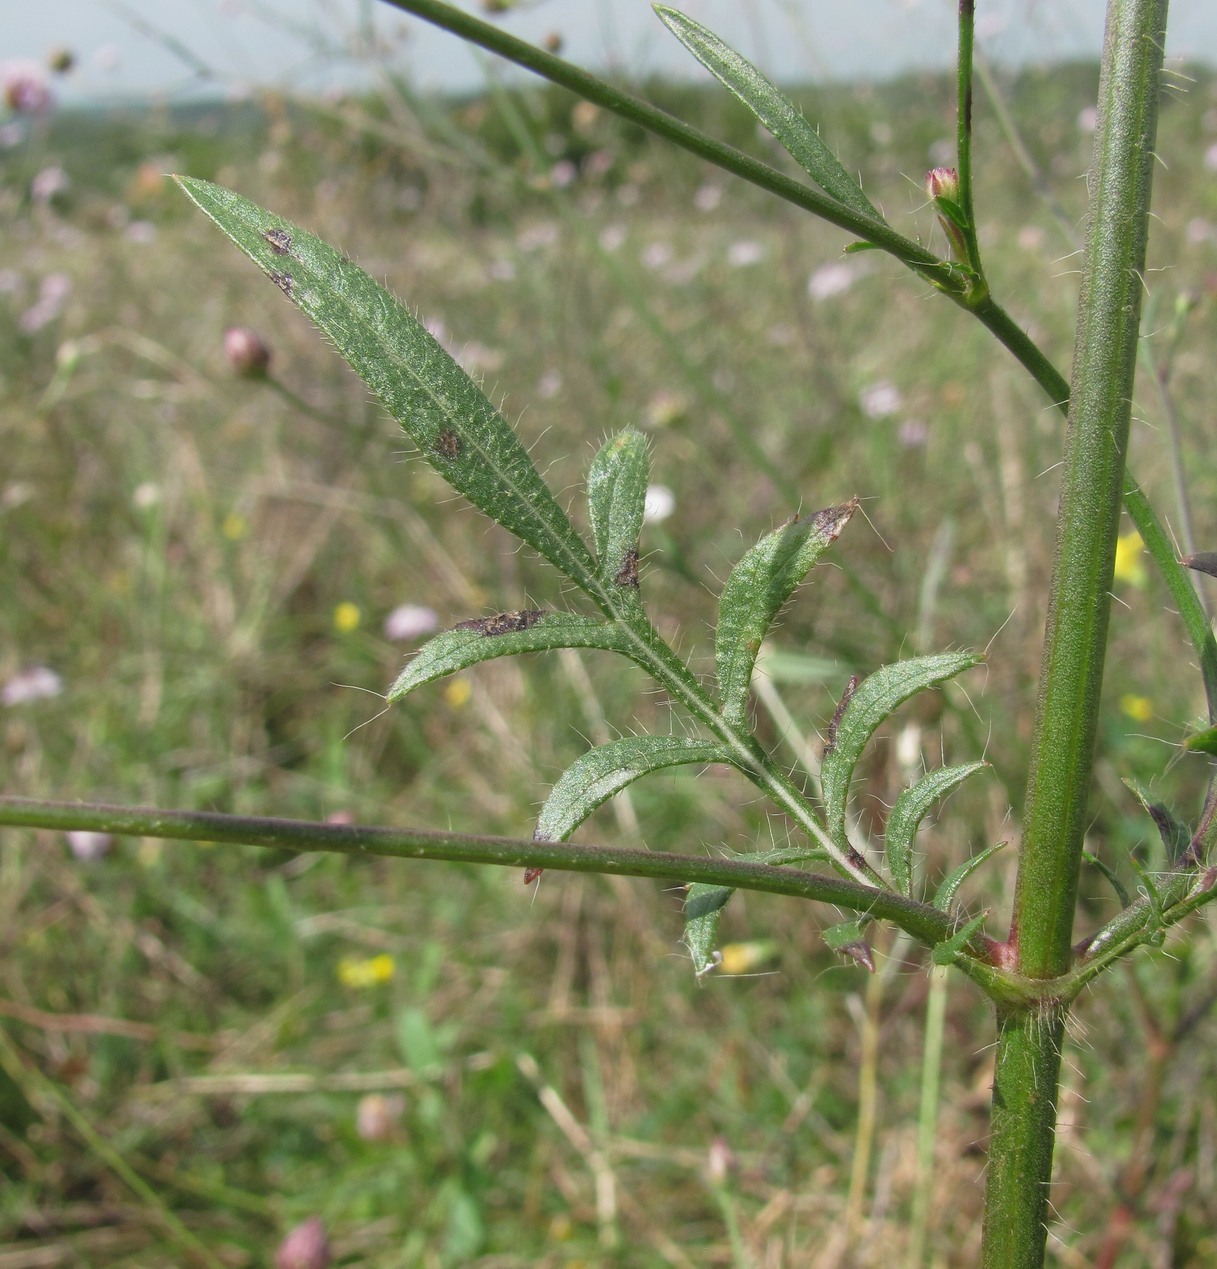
{"x":247,"y":354}
{"x":305,"y":1247}
{"x":942,"y":182}
{"x":720,"y":1162}
{"x":88,"y":846}
{"x":25,"y":87}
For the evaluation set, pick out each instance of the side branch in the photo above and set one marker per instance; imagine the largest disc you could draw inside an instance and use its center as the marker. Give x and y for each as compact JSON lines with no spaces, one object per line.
{"x":922,"y":921}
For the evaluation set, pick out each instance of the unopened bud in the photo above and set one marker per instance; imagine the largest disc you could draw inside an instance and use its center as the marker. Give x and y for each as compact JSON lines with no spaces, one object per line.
{"x":247,"y":354}
{"x":305,"y":1247}
{"x":942,"y":185}
{"x":942,"y":182}
{"x":553,"y":41}
{"x":720,"y":1163}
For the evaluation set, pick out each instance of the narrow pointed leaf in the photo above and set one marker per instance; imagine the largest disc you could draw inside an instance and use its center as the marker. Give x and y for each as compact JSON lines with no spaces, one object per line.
{"x":873,"y":700}
{"x":1176,"y":836}
{"x":504,"y":635}
{"x":456,"y":428}
{"x":703,"y":908}
{"x":1202,"y":741}
{"x":1112,"y":878}
{"x":616,"y":496}
{"x":1202,"y":562}
{"x":910,"y":809}
{"x":944,"y":896}
{"x":772,"y":107}
{"x":945,"y":953}
{"x":758,"y":587}
{"x":848,"y":939}
{"x":704,"y":902}
{"x":601,"y":772}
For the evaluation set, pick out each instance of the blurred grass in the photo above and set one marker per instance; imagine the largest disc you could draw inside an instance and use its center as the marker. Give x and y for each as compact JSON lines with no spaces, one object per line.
{"x":176,"y":545}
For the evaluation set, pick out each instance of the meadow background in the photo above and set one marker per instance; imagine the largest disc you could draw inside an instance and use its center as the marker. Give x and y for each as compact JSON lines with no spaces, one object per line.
{"x":203,"y":578}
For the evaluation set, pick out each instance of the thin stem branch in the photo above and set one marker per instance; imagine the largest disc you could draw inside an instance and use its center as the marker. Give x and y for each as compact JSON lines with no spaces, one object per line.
{"x":922,"y":921}
{"x":963,"y":129}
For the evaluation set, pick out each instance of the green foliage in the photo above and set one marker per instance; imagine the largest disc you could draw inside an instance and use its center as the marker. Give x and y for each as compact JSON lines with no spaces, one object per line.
{"x":238,"y":721}
{"x":772,"y":107}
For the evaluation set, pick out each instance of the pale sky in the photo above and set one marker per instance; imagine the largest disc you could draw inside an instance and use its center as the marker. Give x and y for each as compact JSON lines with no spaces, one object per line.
{"x":160,"y":46}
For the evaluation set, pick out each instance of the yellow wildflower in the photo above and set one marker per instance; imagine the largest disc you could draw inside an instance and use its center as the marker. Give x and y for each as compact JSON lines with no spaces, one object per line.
{"x":234,"y":527}
{"x":458,"y":692}
{"x":366,"y":973}
{"x":346,"y":617}
{"x":743,"y":958}
{"x":1139,"y":708}
{"x":1128,"y":559}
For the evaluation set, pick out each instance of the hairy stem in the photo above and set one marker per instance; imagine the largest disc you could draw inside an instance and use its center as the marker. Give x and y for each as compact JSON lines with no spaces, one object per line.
{"x":921,"y":920}
{"x":1092,"y":486}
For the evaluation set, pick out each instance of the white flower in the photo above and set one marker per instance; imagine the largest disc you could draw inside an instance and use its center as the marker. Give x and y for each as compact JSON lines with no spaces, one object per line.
{"x":35,"y":684}
{"x":410,"y":621}
{"x":659,"y":504}
{"x":49,"y":182}
{"x":656,"y":255}
{"x":745,"y":252}
{"x":88,"y":846}
{"x":831,"y":279}
{"x":880,"y":399}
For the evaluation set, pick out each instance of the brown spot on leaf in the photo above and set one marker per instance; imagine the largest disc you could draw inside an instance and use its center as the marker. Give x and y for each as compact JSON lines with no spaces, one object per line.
{"x":848,"y":695}
{"x":280,"y":240}
{"x":503,"y":623}
{"x":627,"y":574}
{"x":448,"y":444}
{"x":285,"y":282}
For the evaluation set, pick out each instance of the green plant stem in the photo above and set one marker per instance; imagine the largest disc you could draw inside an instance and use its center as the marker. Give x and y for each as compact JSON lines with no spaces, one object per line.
{"x":953,"y":283}
{"x":922,"y":921}
{"x":963,"y":131}
{"x":1092,"y":485}
{"x":1062,"y":754}
{"x":661,"y":124}
{"x":1022,"y":1134}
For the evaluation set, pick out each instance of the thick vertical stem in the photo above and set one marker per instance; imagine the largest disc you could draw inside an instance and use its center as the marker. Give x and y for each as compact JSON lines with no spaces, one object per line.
{"x":1091,"y":487}
{"x":1022,"y":1134}
{"x":1071,"y":675}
